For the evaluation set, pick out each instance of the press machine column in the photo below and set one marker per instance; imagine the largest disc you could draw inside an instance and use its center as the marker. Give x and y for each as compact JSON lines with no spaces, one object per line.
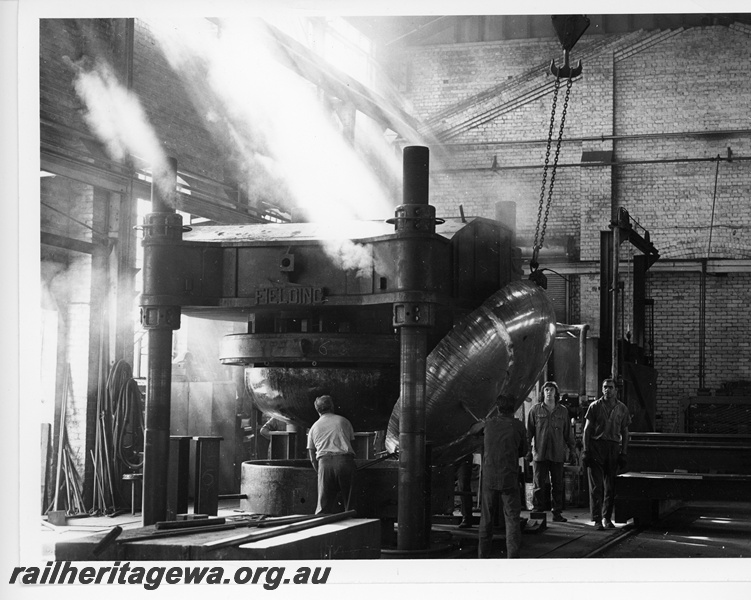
{"x":162,"y":231}
{"x":414,"y":220}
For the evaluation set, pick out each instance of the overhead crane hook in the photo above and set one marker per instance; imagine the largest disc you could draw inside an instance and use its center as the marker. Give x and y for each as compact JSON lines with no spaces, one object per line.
{"x":569,"y":29}
{"x":566,"y":71}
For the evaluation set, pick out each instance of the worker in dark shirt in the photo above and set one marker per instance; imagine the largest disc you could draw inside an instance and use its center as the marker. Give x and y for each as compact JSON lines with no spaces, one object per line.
{"x":504,"y":442}
{"x":605,"y":441}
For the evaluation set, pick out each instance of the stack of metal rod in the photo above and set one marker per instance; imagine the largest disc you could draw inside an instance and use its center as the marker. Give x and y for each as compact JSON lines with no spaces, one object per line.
{"x":68,"y":495}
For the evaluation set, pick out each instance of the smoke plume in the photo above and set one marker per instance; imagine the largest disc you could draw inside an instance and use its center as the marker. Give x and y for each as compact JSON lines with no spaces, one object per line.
{"x":284,"y":141}
{"x":116,"y":117}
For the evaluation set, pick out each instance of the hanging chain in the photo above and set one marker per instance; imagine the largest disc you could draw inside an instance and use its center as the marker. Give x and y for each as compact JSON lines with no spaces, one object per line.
{"x":555,"y":161}
{"x":535,"y":244}
{"x":540,"y":231}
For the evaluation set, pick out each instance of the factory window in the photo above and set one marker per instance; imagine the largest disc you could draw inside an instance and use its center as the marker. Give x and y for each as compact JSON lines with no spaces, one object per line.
{"x":347,"y":49}
{"x":274,"y":215}
{"x":336,"y":41}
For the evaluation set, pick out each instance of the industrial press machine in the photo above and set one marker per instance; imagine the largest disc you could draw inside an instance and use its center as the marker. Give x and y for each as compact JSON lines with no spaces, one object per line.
{"x":417,"y":340}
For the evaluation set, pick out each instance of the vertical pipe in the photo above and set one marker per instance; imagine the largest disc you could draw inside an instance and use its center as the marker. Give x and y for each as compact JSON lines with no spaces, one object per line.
{"x":164,"y":228}
{"x":415,"y":219}
{"x":157,"y":434}
{"x":583,"y":360}
{"x":604,"y":357}
{"x":639,"y":300}
{"x":702,"y":321}
{"x":614,"y":304}
{"x":411,"y":534}
{"x":416,"y":175}
{"x":427,"y":489}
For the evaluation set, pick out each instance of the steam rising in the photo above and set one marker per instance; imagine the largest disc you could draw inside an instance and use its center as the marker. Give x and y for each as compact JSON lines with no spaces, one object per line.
{"x":116,"y":117}
{"x":289,"y":147}
{"x":351,"y":256}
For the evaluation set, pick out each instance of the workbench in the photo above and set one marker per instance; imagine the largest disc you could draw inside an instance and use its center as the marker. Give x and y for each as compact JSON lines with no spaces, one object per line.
{"x":690,"y":452}
{"x":646,"y":496}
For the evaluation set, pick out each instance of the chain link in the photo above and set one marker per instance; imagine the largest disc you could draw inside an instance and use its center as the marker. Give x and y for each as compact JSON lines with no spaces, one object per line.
{"x":540,"y":231}
{"x":535,"y":245}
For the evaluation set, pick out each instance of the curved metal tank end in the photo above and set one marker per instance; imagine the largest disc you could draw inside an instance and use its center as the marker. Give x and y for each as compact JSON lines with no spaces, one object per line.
{"x":364,"y":395}
{"x":501,"y":347}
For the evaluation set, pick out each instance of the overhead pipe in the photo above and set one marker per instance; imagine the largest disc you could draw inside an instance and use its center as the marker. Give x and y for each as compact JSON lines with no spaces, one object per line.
{"x":703,"y":287}
{"x":162,"y":229}
{"x":590,"y":165}
{"x":614,"y":137}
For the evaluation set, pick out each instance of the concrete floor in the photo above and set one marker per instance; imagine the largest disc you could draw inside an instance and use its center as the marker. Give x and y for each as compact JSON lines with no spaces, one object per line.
{"x":696,"y":530}
{"x":575,"y":538}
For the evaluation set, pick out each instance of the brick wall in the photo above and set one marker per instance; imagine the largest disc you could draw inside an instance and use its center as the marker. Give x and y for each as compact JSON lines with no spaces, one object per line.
{"x":438,"y":76}
{"x":172,"y":110}
{"x":62,"y":41}
{"x":659,"y":91}
{"x":637,"y":91}
{"x":168,"y":106}
{"x":67,"y":208}
{"x":677,"y":330}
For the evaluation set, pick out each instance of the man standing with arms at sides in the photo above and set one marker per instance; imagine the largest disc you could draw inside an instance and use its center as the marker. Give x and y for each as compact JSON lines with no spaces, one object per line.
{"x":605,"y":442}
{"x":549,"y":436}
{"x":333,"y":456}
{"x":504,"y":442}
